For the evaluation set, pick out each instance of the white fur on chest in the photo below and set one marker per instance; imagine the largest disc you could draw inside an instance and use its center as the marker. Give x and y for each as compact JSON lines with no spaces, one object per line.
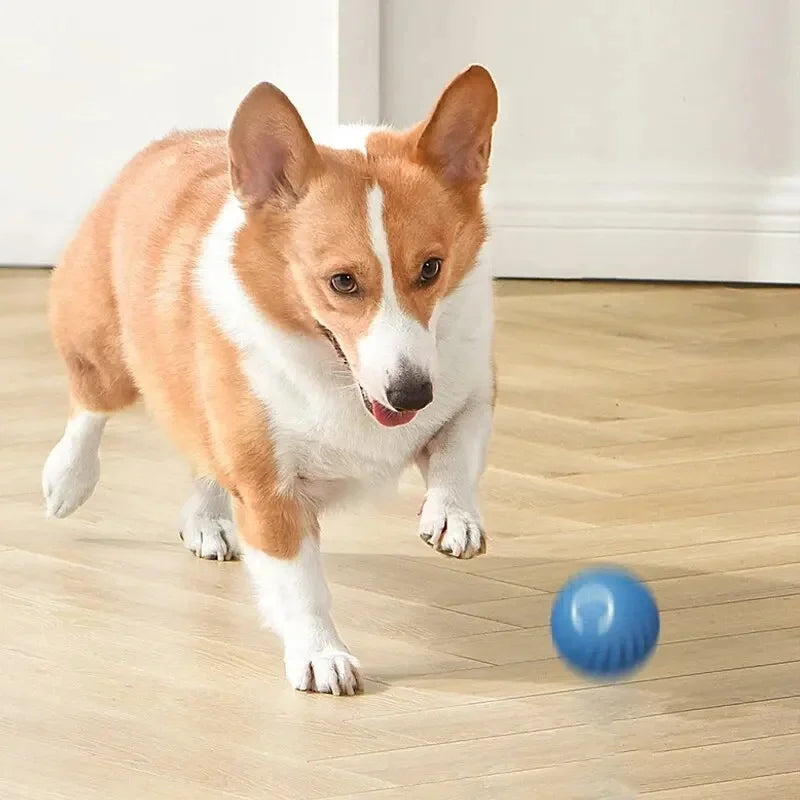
{"x":322,"y":434}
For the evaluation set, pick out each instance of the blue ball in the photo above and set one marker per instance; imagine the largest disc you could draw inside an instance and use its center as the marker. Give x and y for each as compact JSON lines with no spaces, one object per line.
{"x":604,"y":623}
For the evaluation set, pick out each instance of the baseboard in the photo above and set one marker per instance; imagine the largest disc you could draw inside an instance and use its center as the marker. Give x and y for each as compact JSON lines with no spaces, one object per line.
{"x":665,"y":230}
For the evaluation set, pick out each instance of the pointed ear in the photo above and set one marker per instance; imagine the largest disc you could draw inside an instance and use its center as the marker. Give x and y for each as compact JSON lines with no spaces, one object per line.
{"x":271,"y":154}
{"x":456,"y":139}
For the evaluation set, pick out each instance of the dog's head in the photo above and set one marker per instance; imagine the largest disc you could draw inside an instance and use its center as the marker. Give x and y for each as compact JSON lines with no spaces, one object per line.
{"x":361,"y":246}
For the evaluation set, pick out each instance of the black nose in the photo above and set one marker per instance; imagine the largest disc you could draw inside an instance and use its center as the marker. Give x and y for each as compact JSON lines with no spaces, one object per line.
{"x":410,"y":393}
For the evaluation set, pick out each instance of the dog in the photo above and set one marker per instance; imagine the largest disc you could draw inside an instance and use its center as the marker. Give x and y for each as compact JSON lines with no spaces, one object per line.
{"x":305,"y":320}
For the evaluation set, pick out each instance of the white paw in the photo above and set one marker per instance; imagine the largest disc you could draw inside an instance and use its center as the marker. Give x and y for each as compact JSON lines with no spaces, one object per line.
{"x":328,"y":671}
{"x":210,"y":537}
{"x":68,"y":478}
{"x":450,"y":529}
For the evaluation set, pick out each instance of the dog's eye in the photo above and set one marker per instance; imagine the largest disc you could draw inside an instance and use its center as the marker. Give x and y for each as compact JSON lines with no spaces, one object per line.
{"x":430,"y":270}
{"x":344,"y":283}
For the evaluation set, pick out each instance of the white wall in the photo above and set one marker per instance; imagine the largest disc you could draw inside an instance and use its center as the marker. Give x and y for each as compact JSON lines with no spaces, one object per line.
{"x":637,"y":138}
{"x":87,"y":83}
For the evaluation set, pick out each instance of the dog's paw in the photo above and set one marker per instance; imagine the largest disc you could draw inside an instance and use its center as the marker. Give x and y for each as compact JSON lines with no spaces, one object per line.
{"x":68,"y":478}
{"x":450,"y":529}
{"x":328,"y":671}
{"x":210,"y":537}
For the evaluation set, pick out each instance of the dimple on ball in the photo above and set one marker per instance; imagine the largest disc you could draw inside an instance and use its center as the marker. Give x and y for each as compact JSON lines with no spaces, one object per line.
{"x":605,"y":623}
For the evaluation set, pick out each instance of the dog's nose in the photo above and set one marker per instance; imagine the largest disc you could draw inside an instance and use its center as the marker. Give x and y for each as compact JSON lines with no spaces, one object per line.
{"x":410,"y":393}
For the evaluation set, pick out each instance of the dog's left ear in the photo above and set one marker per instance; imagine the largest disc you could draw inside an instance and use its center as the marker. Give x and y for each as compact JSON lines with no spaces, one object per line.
{"x":456,"y":139}
{"x":271,"y":154}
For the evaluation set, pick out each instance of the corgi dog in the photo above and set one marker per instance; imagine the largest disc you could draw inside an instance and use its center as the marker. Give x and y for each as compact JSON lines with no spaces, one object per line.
{"x":305,"y":318}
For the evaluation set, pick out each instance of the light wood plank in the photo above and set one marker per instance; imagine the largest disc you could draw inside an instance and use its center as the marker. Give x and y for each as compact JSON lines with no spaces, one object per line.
{"x":656,"y":427}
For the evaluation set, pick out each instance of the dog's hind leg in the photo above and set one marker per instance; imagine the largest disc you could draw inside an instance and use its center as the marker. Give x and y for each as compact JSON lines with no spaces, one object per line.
{"x":86,"y":331}
{"x":73,"y":467}
{"x":206,"y":526}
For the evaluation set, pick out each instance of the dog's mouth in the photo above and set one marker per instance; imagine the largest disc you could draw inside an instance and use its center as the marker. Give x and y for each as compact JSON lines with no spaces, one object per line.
{"x":387,"y":417}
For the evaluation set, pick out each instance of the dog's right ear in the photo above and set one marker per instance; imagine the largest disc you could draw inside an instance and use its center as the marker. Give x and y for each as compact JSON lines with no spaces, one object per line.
{"x":456,"y":139}
{"x":271,"y":154}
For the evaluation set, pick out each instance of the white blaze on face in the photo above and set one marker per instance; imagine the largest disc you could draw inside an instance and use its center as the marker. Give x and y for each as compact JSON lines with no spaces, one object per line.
{"x":395,"y":344}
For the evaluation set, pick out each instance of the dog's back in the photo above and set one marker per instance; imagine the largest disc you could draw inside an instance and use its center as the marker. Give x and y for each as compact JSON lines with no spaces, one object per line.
{"x":122,"y":305}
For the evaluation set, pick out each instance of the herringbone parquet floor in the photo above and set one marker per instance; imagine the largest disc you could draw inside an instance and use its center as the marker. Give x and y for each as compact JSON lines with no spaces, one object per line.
{"x":653,"y":426}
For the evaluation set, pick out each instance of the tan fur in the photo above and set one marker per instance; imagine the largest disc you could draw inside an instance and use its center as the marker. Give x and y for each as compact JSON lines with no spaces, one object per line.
{"x":126,"y":317}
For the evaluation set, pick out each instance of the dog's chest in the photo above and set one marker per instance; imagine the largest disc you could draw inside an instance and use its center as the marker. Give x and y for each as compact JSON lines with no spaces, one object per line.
{"x":322,"y":434}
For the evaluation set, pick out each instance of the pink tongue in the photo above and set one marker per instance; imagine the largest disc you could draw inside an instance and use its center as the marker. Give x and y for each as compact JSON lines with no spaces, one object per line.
{"x":390,"y":418}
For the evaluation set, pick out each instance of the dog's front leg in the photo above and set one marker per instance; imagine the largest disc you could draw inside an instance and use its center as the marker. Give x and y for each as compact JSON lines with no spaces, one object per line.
{"x":452,"y":464}
{"x":281,"y":550}
{"x":277,"y":529}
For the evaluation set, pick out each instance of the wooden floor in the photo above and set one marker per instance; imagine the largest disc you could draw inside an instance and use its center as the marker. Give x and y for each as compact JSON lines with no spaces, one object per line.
{"x":655,"y":427}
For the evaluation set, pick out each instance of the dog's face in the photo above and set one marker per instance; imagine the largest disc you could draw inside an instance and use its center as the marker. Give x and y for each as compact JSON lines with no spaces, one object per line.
{"x":374,"y":241}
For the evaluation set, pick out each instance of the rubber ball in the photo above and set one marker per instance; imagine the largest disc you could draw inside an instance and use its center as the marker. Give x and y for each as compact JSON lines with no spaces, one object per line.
{"x":605,"y":623}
